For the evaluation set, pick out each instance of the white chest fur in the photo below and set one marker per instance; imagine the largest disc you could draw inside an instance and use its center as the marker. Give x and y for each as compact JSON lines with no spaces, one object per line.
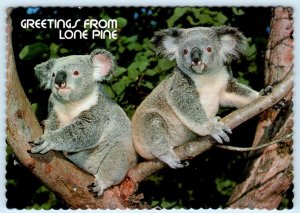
{"x":67,"y":112}
{"x":210,"y":87}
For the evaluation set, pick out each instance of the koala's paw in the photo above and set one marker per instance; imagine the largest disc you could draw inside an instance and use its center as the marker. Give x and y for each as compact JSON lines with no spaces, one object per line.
{"x":280,"y":105}
{"x":172,"y":160}
{"x":219,"y":131}
{"x":98,"y":187}
{"x":41,"y":146}
{"x":266,"y":91}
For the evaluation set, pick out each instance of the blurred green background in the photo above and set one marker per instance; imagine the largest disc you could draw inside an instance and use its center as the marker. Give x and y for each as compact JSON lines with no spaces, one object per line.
{"x":210,"y":178}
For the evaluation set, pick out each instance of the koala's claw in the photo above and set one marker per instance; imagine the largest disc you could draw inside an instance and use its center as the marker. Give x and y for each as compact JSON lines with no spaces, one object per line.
{"x":186,"y":163}
{"x":172,"y":160}
{"x":40,"y":146}
{"x":220,"y":137}
{"x":220,"y":131}
{"x":98,"y":186}
{"x":91,"y":189}
{"x":176,"y":165}
{"x":281,"y":104}
{"x":266,"y":91}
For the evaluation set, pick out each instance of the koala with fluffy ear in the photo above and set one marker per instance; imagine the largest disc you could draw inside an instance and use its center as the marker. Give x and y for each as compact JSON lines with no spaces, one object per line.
{"x":86,"y":125}
{"x":184,"y":107}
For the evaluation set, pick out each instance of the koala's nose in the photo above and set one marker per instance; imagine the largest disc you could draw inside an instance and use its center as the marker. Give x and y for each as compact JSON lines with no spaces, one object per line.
{"x":60,"y":79}
{"x":196,"y":54}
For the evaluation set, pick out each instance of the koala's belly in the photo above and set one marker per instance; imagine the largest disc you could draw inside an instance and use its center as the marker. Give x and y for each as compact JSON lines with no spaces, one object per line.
{"x":90,"y":159}
{"x":86,"y":160}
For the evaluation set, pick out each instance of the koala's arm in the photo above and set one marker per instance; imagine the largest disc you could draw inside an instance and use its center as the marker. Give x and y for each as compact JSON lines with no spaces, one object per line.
{"x":51,"y":123}
{"x":184,"y":100}
{"x":237,"y":95}
{"x":84,"y":133}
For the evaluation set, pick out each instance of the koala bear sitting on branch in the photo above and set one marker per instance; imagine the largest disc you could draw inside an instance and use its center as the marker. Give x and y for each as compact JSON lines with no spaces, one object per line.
{"x":184,"y":107}
{"x":91,"y":129}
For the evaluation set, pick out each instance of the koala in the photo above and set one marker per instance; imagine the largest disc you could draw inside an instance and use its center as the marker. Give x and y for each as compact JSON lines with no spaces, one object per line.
{"x":89,"y":128}
{"x":183,"y":107}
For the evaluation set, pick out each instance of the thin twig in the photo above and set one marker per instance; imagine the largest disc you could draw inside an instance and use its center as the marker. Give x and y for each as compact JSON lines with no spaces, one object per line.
{"x":253,"y":148}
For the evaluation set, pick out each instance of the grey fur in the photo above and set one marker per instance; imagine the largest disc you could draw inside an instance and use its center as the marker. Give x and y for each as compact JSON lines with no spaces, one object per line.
{"x":184,"y":107}
{"x":88,"y":127}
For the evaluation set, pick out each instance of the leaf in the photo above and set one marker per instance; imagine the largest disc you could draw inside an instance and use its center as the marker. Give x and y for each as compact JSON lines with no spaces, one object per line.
{"x":142,"y":65}
{"x":252,"y":68}
{"x":166,"y":204}
{"x":203,"y":19}
{"x":34,"y":107}
{"x":221,"y":18}
{"x":225,"y":186}
{"x":119,"y":71}
{"x":122,"y":22}
{"x":130,"y":39}
{"x":135,"y":46}
{"x":63,"y":50}
{"x":251,"y":52}
{"x":178,"y":13}
{"x":151,"y":72}
{"x":33,"y":51}
{"x":133,"y":71}
{"x":154,"y":203}
{"x":53,"y":50}
{"x":121,"y":85}
{"x":237,"y":12}
{"x":148,"y":85}
{"x":165,"y":64}
{"x":108,"y":90}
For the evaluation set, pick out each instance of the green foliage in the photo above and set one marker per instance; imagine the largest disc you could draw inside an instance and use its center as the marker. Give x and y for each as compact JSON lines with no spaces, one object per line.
{"x":197,"y":16}
{"x":49,"y":199}
{"x":225,"y":186}
{"x":31,"y":51}
{"x":139,"y":71}
{"x":237,"y":12}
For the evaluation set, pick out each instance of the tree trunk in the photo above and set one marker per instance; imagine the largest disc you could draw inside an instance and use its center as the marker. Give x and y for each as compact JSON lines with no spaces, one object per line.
{"x":68,"y":181}
{"x":271,"y":175}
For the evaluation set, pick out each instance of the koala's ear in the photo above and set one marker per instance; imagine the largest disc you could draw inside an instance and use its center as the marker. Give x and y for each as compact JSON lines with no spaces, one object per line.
{"x":104,"y":63}
{"x":43,"y":73}
{"x":165,"y":42}
{"x":233,"y":43}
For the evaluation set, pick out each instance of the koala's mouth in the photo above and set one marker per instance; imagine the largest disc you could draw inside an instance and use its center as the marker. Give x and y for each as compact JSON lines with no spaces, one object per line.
{"x":198,"y":67}
{"x":63,"y":90}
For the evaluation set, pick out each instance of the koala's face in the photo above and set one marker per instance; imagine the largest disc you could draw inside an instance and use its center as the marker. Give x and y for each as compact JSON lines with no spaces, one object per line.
{"x":73,"y":78}
{"x":200,"y":50}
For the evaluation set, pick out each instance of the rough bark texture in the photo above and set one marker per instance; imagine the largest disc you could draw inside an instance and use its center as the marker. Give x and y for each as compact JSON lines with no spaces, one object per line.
{"x":69,"y":182}
{"x":271,"y":175}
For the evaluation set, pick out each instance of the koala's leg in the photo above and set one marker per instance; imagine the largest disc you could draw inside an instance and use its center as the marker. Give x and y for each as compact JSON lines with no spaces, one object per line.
{"x":237,"y":95}
{"x":114,"y":167}
{"x":154,"y":133}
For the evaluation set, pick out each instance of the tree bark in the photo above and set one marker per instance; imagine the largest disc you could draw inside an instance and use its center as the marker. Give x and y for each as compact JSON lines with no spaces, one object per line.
{"x":271,"y":175}
{"x":69,"y":182}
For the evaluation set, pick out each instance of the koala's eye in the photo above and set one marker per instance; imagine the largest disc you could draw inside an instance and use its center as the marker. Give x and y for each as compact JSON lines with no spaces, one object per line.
{"x":209,"y":49}
{"x":53,"y":75}
{"x":185,"y":51}
{"x":76,"y":73}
